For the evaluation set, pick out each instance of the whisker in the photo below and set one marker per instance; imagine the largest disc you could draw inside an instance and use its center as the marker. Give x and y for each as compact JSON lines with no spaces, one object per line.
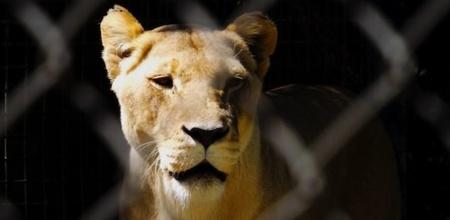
{"x":145,"y":144}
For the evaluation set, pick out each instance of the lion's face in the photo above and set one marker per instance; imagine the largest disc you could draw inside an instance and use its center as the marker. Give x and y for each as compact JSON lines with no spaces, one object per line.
{"x":188,"y":95}
{"x":190,"y":99}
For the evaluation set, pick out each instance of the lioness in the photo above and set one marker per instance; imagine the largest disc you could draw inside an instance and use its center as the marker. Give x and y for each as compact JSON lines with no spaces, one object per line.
{"x":188,"y":98}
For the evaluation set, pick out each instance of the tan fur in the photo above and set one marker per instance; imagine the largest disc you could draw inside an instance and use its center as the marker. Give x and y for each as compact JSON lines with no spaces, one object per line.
{"x":203,"y":65}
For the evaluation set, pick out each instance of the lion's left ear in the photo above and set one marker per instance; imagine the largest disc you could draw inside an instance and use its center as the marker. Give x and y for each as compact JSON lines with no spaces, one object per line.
{"x":118,"y":28}
{"x":260,"y":34}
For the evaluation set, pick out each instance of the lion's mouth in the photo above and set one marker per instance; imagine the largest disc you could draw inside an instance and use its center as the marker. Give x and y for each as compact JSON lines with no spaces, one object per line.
{"x":203,"y":170}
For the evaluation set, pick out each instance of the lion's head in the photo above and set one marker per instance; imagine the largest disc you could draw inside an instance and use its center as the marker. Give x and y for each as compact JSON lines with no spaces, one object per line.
{"x":188,"y":94}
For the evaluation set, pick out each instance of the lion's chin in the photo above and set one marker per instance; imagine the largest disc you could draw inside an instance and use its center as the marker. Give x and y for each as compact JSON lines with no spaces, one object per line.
{"x":196,"y":190}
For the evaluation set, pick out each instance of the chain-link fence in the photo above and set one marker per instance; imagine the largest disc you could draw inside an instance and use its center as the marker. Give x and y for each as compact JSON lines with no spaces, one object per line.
{"x":63,"y":152}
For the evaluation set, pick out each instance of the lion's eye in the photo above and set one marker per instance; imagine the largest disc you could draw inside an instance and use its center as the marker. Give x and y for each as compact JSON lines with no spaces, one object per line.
{"x":235,"y":83}
{"x":164,"y":81}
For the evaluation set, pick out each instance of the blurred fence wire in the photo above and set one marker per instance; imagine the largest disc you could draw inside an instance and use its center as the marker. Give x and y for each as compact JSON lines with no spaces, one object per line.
{"x":395,"y":46}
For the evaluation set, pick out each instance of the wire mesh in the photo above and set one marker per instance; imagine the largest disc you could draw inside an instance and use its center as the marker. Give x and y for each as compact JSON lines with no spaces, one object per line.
{"x":51,"y":69}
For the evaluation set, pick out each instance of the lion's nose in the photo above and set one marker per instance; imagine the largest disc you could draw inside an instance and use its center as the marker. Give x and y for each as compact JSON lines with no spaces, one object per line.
{"x":206,"y":137}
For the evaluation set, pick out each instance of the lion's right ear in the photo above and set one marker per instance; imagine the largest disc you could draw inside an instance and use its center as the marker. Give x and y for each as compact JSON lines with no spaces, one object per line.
{"x":118,"y":28}
{"x":260,"y":34}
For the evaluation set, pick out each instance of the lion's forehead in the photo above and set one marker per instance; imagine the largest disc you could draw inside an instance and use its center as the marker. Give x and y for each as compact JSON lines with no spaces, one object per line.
{"x":196,"y":53}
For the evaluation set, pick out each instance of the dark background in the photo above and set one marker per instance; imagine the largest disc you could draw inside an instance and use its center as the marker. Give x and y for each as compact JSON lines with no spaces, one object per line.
{"x":54,"y":166}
